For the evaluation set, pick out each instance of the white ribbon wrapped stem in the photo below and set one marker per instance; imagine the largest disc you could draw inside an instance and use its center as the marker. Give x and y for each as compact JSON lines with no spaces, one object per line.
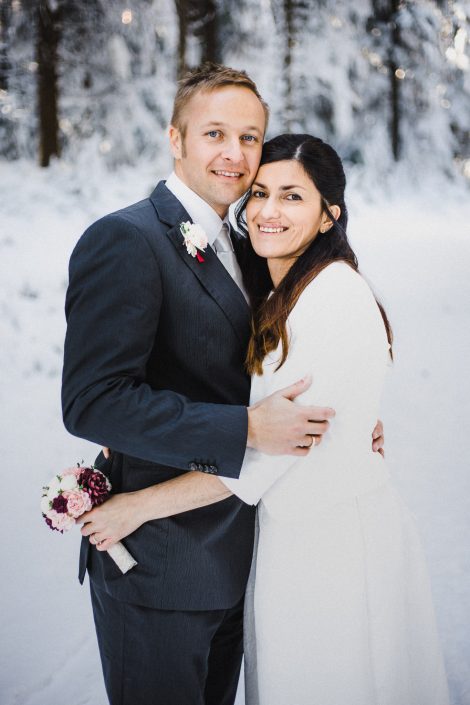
{"x":121,"y":557}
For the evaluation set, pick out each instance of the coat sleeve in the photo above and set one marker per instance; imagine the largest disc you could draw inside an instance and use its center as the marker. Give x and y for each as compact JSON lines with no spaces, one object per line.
{"x":338,"y":337}
{"x":112,"y":309}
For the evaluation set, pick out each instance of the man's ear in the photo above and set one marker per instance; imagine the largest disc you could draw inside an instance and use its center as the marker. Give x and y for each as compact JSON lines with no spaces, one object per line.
{"x":176,"y":142}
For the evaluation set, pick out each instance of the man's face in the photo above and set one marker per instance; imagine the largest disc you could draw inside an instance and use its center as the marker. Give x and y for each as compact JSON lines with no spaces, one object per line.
{"x":219,"y":155}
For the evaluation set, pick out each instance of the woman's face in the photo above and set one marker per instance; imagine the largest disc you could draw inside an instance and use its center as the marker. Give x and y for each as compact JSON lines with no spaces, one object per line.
{"x":284,"y":213}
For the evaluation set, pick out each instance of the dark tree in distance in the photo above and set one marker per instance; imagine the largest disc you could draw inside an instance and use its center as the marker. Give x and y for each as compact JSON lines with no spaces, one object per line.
{"x":386,"y":19}
{"x":200,"y":19}
{"x":182,"y":13}
{"x":47,"y":41}
{"x":290,"y":16}
{"x":206,"y":27}
{"x":7,"y":131}
{"x":395,"y":81}
{"x":5,"y":18}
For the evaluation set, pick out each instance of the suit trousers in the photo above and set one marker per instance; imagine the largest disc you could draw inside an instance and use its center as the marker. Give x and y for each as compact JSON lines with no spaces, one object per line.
{"x":167,"y":657}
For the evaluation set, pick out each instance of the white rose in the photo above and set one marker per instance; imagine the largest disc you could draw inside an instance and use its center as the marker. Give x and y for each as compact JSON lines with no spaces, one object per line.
{"x":68,"y":482}
{"x":45,"y":504}
{"x":53,"y":489}
{"x":190,"y":248}
{"x":194,"y":237}
{"x":198,"y":236}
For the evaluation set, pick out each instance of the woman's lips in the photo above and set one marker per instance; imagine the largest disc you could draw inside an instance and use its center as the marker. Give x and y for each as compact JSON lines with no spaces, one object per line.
{"x":272,"y":229}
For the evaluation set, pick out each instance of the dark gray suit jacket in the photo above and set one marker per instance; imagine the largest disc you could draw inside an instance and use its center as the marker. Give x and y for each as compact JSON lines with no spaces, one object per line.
{"x":154,"y":369}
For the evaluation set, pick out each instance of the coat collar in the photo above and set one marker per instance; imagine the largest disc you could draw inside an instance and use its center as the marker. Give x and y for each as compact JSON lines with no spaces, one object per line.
{"x":211,"y":273}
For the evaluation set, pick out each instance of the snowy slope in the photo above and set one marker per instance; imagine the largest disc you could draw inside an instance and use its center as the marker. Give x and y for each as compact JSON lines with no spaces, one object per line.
{"x":414,"y":249}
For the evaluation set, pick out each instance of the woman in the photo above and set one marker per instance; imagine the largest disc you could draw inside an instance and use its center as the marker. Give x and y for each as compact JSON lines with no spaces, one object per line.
{"x":339,"y":610}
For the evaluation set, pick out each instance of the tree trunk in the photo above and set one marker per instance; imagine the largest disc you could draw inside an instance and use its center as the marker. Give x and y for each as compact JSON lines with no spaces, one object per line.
{"x":289,"y":45}
{"x":386,"y":13}
{"x":48,"y":35}
{"x":5,"y":14}
{"x":182,"y":12}
{"x":209,"y":33}
{"x":395,"y":117}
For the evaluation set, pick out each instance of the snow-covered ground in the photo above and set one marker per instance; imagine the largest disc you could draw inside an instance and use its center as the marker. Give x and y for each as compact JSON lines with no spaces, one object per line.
{"x":414,"y":248}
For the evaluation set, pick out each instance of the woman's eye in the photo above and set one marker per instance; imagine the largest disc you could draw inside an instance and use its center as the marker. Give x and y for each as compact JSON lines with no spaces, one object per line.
{"x":293,"y":197}
{"x":258,"y":194}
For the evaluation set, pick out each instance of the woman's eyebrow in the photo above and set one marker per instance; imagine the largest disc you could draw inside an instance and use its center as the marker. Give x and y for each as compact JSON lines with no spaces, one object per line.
{"x":288,"y":188}
{"x":281,"y":188}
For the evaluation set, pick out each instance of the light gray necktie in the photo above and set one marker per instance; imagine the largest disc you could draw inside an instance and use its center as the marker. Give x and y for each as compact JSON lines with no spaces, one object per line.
{"x":224,"y":249}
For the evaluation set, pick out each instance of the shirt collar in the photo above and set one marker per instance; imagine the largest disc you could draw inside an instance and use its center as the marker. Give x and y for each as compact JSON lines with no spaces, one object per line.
{"x":198,"y":209}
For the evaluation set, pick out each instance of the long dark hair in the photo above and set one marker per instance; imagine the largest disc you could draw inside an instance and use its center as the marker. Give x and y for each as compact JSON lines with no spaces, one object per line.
{"x":323,"y":166}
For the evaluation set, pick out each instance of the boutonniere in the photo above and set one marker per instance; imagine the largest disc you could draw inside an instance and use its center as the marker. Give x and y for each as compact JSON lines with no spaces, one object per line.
{"x":194,"y":238}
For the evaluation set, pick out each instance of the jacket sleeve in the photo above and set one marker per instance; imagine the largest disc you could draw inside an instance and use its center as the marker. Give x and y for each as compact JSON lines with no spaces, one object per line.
{"x":112,"y":309}
{"x":338,"y":337}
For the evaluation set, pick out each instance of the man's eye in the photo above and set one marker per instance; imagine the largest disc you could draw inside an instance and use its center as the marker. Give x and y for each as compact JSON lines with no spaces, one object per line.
{"x":249,"y":138}
{"x":214,"y":133}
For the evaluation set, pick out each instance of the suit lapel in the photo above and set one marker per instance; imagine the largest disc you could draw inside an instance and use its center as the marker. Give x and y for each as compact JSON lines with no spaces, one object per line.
{"x":211,"y":273}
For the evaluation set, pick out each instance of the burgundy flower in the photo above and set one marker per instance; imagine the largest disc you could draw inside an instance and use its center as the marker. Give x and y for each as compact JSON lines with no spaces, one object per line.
{"x":49,"y":524}
{"x":59,"y":503}
{"x":94,"y":483}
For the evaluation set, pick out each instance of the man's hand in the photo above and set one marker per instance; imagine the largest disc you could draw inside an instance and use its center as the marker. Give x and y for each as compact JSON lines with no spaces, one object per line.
{"x":277,"y":426}
{"x":118,"y":517}
{"x":378,"y":439}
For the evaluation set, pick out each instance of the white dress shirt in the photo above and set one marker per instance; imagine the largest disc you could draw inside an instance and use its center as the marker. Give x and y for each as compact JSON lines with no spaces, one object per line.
{"x":199,"y":211}
{"x":215,"y":228}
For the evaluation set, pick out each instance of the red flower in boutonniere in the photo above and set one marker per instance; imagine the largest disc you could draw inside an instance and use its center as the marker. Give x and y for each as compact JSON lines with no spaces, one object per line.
{"x":194,"y":238}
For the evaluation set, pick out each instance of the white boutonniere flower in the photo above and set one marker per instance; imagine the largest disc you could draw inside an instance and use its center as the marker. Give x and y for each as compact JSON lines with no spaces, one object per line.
{"x":194,"y":238}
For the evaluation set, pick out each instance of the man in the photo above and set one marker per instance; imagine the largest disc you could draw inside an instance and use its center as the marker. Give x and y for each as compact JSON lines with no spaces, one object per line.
{"x":154,"y":368}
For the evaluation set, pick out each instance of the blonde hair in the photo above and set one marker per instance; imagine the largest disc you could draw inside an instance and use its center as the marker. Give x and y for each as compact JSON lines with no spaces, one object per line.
{"x":208,"y":77}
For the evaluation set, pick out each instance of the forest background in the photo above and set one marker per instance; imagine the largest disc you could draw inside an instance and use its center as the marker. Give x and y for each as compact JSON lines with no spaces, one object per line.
{"x":86,"y":90}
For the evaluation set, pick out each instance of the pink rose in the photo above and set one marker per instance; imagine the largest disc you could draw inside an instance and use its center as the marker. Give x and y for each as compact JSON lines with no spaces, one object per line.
{"x":72,"y":471}
{"x":78,"y":502}
{"x":60,"y":522}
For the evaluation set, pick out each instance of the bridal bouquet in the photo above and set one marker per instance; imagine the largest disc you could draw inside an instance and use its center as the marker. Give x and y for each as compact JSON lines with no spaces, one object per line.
{"x":71,"y":494}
